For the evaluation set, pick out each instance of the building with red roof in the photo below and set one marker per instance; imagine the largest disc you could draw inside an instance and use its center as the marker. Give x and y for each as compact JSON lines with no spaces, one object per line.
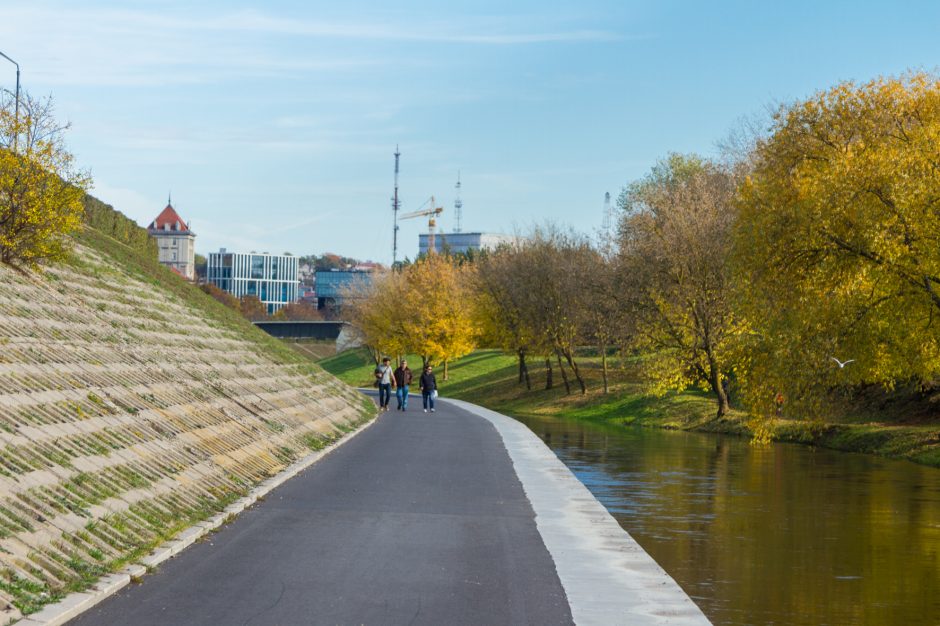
{"x":176,"y":242}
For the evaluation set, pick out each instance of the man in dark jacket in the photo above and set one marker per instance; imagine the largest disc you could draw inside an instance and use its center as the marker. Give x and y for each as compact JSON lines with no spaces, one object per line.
{"x":402,"y":380}
{"x":428,"y":388}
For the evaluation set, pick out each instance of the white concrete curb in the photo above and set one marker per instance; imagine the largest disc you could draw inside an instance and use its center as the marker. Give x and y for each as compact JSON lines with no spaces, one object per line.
{"x":75,"y":603}
{"x":607,"y":576}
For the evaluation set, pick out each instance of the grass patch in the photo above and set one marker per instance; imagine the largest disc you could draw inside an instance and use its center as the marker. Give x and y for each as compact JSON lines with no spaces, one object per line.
{"x":150,"y":271}
{"x":313,"y":349}
{"x":897,"y":427}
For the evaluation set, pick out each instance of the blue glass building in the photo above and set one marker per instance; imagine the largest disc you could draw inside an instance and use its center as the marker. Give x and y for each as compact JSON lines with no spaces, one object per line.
{"x":331,"y":285}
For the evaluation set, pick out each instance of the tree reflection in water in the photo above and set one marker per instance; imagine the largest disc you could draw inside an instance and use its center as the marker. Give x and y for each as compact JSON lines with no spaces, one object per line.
{"x":781,"y":534}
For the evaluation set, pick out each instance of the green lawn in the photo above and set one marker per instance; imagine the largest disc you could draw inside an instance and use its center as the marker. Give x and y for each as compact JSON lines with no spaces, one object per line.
{"x":490,"y":378}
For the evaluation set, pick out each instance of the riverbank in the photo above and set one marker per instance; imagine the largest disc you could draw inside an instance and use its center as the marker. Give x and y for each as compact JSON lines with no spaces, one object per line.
{"x":894,"y":429}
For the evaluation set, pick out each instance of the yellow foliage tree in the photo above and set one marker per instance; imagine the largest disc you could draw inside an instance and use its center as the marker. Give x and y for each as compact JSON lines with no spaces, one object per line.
{"x":438,"y":313}
{"x":837,"y":245}
{"x":374,"y":308}
{"x":501,"y":295}
{"x":41,"y":190}
{"x":425,"y":308}
{"x":674,"y":239}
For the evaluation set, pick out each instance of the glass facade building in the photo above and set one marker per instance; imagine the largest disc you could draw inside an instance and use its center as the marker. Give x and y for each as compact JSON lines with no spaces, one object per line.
{"x":331,"y":285}
{"x":273,"y":278}
{"x":457,"y":243}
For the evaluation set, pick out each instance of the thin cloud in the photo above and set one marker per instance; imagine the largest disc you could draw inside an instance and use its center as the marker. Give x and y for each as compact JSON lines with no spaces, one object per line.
{"x":258,"y":22}
{"x":126,"y":47}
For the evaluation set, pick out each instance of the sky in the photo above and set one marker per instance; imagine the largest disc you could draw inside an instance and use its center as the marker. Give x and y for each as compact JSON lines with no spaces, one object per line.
{"x":274,"y":124}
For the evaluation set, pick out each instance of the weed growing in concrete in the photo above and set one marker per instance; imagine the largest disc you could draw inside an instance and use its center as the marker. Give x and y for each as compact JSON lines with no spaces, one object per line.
{"x":28,"y":596}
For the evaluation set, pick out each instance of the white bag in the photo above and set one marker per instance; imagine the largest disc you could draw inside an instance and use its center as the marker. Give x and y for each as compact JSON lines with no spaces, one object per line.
{"x":434,"y":393}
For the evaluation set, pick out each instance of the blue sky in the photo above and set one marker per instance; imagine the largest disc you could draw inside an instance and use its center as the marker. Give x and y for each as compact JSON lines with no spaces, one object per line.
{"x":274,"y":123}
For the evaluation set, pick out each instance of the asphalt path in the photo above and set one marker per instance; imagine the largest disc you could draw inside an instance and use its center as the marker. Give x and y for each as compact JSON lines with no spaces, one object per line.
{"x":420,"y":519}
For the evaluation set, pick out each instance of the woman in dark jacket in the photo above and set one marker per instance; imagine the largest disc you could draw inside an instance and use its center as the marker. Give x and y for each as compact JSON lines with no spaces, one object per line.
{"x":428,"y":388}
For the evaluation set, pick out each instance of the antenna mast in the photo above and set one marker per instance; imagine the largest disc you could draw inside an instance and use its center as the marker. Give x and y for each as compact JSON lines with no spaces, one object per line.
{"x":458,"y":204}
{"x":395,"y":207}
{"x":608,"y":224}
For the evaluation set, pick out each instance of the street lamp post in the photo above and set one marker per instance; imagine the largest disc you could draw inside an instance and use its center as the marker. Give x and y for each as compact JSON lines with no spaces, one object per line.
{"x":16,"y":115}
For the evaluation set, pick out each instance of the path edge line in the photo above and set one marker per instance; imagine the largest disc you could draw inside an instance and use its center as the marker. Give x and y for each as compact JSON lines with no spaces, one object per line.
{"x":607,"y":576}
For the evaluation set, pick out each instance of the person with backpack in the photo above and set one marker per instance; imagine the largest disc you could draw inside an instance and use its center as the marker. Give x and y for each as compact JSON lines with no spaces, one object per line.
{"x":402,"y":378}
{"x":384,"y":380}
{"x":428,"y":388}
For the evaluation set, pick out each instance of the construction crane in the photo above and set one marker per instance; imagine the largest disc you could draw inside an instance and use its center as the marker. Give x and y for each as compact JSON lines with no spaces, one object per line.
{"x":431,"y":213}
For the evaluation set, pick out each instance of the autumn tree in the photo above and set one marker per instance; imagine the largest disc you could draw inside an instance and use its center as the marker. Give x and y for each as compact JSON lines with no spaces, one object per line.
{"x":298,"y":311}
{"x":551,"y":263}
{"x":41,"y":189}
{"x":674,"y":238}
{"x":423,"y":308}
{"x":373,"y":308}
{"x":501,"y":298}
{"x":222,"y":296}
{"x":436,"y":310}
{"x":838,"y":242}
{"x":252,"y":308}
{"x":605,"y":321}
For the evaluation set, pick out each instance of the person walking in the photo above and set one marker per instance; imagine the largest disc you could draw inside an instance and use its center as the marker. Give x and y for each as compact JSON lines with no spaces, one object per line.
{"x":402,"y":378}
{"x":428,"y":388}
{"x":385,"y":380}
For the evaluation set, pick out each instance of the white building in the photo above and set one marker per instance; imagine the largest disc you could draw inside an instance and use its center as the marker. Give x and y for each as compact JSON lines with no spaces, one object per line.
{"x":456,"y":243}
{"x":175,"y":241}
{"x":273,"y":278}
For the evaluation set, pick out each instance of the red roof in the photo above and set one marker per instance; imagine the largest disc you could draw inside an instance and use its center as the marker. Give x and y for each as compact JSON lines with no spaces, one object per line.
{"x":169,"y":220}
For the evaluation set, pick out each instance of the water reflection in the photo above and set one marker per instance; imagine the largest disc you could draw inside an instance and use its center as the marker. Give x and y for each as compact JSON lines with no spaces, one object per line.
{"x":782,"y":534}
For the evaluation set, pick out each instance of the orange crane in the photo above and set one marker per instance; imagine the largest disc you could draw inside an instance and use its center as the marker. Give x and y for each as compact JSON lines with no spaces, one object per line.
{"x":431,"y":213}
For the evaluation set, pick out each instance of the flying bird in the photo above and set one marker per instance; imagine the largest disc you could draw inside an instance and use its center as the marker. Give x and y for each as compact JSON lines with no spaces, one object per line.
{"x":841,"y":364}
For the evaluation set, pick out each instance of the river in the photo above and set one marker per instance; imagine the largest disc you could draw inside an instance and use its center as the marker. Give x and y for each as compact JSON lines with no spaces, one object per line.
{"x":779,"y":534}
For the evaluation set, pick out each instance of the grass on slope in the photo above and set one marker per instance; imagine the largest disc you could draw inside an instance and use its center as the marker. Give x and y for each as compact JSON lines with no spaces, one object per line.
{"x":151,"y":271}
{"x":314,"y":349}
{"x":894,"y":427}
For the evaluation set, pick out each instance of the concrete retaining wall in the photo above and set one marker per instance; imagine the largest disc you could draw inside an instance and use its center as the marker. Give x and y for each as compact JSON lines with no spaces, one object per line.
{"x":126,"y":417}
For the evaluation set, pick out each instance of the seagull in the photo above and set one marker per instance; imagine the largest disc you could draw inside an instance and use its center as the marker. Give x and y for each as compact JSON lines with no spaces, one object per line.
{"x":841,"y":364}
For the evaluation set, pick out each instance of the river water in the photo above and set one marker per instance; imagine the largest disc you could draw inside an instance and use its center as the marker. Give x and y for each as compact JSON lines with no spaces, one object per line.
{"x":782,"y":534}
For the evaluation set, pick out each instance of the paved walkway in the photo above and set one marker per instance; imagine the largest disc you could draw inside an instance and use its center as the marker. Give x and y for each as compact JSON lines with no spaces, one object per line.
{"x":420,"y":519}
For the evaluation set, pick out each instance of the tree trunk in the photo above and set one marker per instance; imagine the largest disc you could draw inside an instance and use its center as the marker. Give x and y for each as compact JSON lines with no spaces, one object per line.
{"x":549,"y":382}
{"x":714,"y":380}
{"x":564,"y":374}
{"x":604,"y":366}
{"x":445,"y":369}
{"x":574,"y":368}
{"x":524,"y":370}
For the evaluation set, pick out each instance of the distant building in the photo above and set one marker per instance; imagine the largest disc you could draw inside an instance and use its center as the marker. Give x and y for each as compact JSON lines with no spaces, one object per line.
{"x":332,"y":284}
{"x":457,"y":243}
{"x":306,"y":274}
{"x":270,"y":277}
{"x":175,"y":241}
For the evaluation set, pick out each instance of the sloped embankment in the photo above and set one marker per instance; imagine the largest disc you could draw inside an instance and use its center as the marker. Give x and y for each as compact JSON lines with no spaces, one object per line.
{"x":127,"y":414}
